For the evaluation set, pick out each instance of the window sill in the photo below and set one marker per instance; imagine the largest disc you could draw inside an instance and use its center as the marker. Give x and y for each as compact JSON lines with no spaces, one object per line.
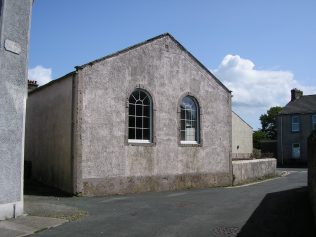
{"x":134,"y":142}
{"x":189,"y":142}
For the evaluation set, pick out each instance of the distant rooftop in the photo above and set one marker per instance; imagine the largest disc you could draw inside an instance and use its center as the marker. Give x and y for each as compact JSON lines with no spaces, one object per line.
{"x":304,"y":105}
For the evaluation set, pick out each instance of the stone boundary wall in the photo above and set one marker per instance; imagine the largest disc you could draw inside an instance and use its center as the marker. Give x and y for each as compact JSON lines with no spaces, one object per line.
{"x":250,"y":170}
{"x":312,"y":171}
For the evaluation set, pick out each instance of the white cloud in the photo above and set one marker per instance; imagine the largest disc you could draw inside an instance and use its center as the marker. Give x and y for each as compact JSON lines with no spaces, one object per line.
{"x":254,"y":91}
{"x":40,"y":74}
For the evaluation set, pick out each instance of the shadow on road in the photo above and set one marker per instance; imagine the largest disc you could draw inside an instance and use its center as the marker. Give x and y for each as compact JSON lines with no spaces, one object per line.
{"x":35,"y":188}
{"x":286,"y":213}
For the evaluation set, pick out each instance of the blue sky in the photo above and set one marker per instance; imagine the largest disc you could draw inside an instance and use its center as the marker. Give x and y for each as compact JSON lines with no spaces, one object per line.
{"x":258,"y":49}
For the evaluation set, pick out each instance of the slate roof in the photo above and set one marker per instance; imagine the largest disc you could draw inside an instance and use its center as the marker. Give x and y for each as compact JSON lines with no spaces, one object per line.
{"x":304,"y":105}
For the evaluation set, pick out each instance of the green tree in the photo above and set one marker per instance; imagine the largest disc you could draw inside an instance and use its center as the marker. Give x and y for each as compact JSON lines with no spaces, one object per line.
{"x":257,"y":137}
{"x":268,"y":122}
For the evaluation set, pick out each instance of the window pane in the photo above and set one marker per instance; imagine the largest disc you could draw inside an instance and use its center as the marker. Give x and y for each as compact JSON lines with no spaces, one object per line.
{"x":194,"y":124}
{"x":188,"y":114}
{"x":314,"y":118}
{"x":295,"y":127}
{"x":131,"y":133}
{"x":190,"y":134}
{"x":193,"y":105}
{"x":147,"y":111}
{"x":146,"y":122}
{"x":146,"y":101}
{"x":187,"y":101}
{"x":131,"y":109}
{"x":146,"y":134}
{"x":296,"y":151}
{"x":182,"y":124}
{"x":295,"y":119}
{"x":131,"y":121}
{"x":188,"y":124}
{"x":139,"y":110}
{"x":194,"y":114}
{"x":139,"y":134}
{"x":139,"y":122}
{"x":182,"y":114}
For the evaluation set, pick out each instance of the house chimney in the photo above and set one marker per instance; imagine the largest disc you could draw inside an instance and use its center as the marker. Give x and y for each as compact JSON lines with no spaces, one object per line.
{"x":296,"y":94}
{"x":31,"y":85}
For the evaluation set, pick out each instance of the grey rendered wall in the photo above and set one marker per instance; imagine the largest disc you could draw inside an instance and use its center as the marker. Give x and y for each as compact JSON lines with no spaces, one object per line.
{"x":312,"y":171}
{"x":286,"y":137}
{"x":108,"y":164}
{"x":15,"y":19}
{"x":48,"y":133}
{"x":250,"y":170}
{"x":241,"y":138}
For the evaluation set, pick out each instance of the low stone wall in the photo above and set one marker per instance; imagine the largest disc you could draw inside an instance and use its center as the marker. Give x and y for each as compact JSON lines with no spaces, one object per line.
{"x":312,"y":171}
{"x":250,"y":170}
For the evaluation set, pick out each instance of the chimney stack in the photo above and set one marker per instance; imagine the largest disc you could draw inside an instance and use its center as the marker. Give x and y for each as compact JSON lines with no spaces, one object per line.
{"x":31,"y":85}
{"x":296,"y":94}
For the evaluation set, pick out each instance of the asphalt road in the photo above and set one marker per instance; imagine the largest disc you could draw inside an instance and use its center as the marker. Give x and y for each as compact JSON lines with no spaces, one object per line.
{"x":277,"y":207}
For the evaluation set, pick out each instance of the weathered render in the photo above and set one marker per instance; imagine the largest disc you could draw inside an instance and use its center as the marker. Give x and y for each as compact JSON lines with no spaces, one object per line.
{"x":251,"y":170}
{"x":241,"y":138}
{"x":48,"y":133}
{"x":104,"y":162}
{"x":304,"y":109}
{"x":14,"y":40}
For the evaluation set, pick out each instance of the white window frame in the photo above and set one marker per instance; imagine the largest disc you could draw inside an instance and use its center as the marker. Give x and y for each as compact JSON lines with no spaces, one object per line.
{"x":295,"y":126}
{"x":294,"y":156}
{"x":197,"y":132}
{"x":141,"y":141}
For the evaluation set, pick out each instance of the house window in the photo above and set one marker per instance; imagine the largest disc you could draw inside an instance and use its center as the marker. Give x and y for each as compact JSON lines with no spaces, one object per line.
{"x":314,"y":122}
{"x":296,"y":150}
{"x":295,"y":123}
{"x":190,"y":126}
{"x":140,"y":117}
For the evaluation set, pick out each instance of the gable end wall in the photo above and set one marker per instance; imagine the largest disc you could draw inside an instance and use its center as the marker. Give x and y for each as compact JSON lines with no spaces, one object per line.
{"x":110,"y":165}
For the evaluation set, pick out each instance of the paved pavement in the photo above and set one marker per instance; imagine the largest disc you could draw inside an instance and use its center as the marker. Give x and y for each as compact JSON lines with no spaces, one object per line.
{"x":277,"y":207}
{"x":27,"y":225}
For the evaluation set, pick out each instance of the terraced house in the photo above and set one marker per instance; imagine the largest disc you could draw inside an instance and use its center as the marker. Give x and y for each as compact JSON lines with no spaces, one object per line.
{"x":296,"y":122}
{"x":148,"y":118}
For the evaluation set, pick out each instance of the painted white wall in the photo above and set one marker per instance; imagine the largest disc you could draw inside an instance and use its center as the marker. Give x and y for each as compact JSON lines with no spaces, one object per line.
{"x":241,"y":138}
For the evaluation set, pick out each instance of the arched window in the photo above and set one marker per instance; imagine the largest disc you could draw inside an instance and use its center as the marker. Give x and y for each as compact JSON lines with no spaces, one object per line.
{"x":140,"y":117}
{"x":190,"y":125}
